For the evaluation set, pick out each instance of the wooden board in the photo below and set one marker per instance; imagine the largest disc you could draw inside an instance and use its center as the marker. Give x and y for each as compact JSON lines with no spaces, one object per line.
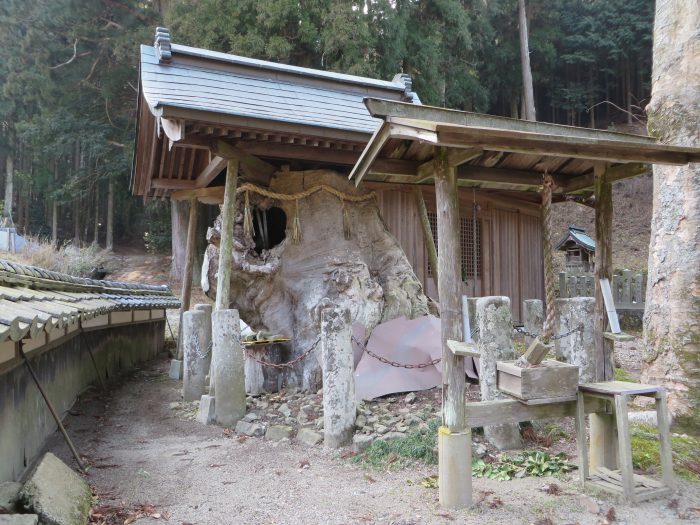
{"x":620,"y":387}
{"x":486,"y":413}
{"x":551,"y":380}
{"x":462,"y":348}
{"x":621,"y":337}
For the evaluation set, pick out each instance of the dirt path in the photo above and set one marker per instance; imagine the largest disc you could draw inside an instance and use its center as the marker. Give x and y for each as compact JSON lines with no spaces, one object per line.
{"x":144,"y":452}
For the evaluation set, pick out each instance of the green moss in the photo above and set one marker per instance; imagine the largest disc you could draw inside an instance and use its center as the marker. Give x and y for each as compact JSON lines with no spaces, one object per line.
{"x":419,"y":445}
{"x":645,"y":451}
{"x":623,"y":375}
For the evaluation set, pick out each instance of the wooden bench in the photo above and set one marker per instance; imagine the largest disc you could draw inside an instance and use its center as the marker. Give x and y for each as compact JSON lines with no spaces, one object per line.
{"x":632,"y":487}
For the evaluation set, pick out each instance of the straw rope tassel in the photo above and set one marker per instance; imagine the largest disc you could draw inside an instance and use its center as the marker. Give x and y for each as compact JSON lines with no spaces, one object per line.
{"x":296,"y":225}
{"x":346,"y":222}
{"x":547,"y":256}
{"x":248,"y":229}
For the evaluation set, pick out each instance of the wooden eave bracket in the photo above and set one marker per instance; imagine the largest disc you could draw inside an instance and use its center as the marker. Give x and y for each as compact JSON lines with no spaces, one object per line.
{"x":462,"y":349}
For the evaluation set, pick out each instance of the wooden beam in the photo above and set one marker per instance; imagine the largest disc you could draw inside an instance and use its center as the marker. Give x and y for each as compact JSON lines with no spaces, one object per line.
{"x":209,"y":173}
{"x":455,"y":157}
{"x":500,"y":175}
{"x":370,"y":153}
{"x":427,"y":232}
{"x":172,"y":184}
{"x":562,"y":146}
{"x":584,"y":182}
{"x":211,"y":195}
{"x":603,"y":270}
{"x":249,"y":164}
{"x":487,"y":413}
{"x":449,"y":290}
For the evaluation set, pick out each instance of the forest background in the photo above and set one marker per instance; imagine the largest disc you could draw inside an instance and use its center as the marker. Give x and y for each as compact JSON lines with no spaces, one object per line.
{"x":69,"y":81}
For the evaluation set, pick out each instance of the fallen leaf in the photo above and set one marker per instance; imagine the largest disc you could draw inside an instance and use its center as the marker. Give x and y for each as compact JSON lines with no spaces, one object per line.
{"x":347,"y":454}
{"x":304,"y":463}
{"x":445,"y":515}
{"x":370,"y":478}
{"x":496,"y":503}
{"x":610,"y":515}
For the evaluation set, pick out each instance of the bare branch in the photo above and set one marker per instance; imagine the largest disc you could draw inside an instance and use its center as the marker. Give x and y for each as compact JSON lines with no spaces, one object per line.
{"x":588,"y":110}
{"x":111,"y":23}
{"x":117,"y":144}
{"x":92,"y":69}
{"x":75,"y":54}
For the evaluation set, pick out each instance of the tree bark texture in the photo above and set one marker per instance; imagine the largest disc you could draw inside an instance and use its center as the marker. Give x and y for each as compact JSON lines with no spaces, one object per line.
{"x":672,"y":316}
{"x":109,"y":241}
{"x":9,"y":179}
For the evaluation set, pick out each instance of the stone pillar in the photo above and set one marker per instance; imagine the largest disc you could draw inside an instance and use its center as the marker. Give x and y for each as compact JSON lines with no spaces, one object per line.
{"x":195,"y":349}
{"x":533,"y":318}
{"x":473,"y":323}
{"x":228,"y":371}
{"x":206,"y":309}
{"x":578,"y":348}
{"x":495,"y":344}
{"x":339,"y":407}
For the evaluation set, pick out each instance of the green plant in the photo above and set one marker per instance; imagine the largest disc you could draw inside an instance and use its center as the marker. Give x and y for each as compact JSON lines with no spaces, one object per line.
{"x":645,"y":451}
{"x":528,"y":463}
{"x":419,"y":445}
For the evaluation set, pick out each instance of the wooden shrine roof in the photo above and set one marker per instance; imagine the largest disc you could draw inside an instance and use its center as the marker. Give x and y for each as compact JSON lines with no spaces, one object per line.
{"x":192,"y":98}
{"x":503,"y":153}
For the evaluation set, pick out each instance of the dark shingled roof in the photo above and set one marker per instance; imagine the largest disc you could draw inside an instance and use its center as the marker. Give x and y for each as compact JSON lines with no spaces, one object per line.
{"x":33,"y":299}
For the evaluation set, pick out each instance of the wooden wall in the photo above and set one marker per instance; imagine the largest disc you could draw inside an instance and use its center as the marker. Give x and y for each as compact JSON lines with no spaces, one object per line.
{"x":510,"y":243}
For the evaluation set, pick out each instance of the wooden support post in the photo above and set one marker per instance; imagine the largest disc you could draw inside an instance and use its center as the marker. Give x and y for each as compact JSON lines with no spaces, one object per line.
{"x":223,"y":281}
{"x":427,"y":232}
{"x":454,"y":440}
{"x":228,"y":212}
{"x":187,"y":274}
{"x":625,"y":448}
{"x":603,"y":270}
{"x":665,"y":453}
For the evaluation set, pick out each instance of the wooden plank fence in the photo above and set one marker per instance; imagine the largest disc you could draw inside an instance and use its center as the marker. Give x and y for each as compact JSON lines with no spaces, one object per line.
{"x":628,"y":288}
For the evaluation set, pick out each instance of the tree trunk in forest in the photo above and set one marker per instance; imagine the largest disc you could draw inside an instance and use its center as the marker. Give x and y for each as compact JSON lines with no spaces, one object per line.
{"x":96,"y":236}
{"x":528,"y":94}
{"x":672,"y":319}
{"x":9,"y":180}
{"x":109,"y":241}
{"x":76,"y":222}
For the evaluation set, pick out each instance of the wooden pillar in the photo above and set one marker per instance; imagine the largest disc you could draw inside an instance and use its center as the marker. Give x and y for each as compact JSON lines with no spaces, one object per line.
{"x":427,"y":232}
{"x":454,"y":441}
{"x":109,"y":241}
{"x":603,"y":270}
{"x":228,"y":212}
{"x":189,"y":257}
{"x":603,"y":433}
{"x":223,"y":280}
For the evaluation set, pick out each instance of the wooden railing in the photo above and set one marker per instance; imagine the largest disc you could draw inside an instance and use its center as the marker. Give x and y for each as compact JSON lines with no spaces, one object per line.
{"x":628,"y":288}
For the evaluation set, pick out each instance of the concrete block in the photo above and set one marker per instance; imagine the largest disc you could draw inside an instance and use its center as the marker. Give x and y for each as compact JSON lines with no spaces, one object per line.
{"x":176,"y":366}
{"x":309,"y":437}
{"x":533,"y":318}
{"x":205,"y":415}
{"x":228,"y":367}
{"x":279,"y":432}
{"x":19,"y":519}
{"x":56,"y":494}
{"x":495,"y":344}
{"x":9,"y":492}
{"x":339,"y":405}
{"x":455,"y":468}
{"x":578,"y":348}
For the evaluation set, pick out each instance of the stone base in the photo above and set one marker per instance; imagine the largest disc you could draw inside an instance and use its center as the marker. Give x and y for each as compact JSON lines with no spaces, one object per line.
{"x":206,"y":410}
{"x":504,"y":437}
{"x":176,"y":368}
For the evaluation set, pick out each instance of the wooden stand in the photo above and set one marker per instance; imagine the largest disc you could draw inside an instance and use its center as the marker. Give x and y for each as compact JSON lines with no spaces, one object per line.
{"x":632,"y":487}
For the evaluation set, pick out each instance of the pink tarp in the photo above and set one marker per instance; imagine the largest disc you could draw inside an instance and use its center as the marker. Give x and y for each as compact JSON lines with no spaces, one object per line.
{"x":403,"y":341}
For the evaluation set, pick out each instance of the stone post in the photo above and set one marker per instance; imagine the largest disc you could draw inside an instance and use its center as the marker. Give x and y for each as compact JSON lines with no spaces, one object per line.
{"x":495,"y":344}
{"x":228,"y":371}
{"x":195,"y":353}
{"x":533,"y":318}
{"x":578,"y":348}
{"x":339,"y":407}
{"x":206,"y":403}
{"x":206,"y":309}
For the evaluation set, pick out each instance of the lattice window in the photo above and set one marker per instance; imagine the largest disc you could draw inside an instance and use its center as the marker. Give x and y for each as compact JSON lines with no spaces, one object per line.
{"x":466,"y":245}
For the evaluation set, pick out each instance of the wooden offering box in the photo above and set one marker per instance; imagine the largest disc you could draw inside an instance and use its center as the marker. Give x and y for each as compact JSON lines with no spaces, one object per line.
{"x":549,"y":382}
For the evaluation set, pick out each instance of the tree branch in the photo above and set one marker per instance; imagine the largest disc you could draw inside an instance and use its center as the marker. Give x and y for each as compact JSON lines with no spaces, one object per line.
{"x":75,"y":54}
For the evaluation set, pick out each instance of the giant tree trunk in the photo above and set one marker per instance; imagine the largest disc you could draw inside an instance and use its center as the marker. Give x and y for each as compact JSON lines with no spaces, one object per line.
{"x":672,"y":317}
{"x":283,"y":288}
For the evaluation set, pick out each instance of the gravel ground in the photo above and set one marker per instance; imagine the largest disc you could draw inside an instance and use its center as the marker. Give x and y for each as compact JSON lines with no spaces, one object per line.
{"x":145,"y":455}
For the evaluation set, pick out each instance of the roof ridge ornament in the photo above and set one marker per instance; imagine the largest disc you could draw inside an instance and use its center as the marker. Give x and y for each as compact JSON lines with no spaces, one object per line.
{"x":408,"y":94}
{"x":162,"y":45}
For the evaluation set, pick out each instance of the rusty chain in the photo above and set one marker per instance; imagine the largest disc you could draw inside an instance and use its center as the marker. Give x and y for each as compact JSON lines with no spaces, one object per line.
{"x":289,"y":364}
{"x":524,"y":332}
{"x":393,"y":363}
